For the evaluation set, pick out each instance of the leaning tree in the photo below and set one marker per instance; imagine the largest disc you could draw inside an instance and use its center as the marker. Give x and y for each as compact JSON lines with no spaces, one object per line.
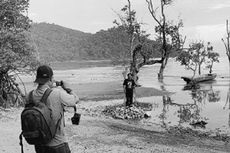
{"x":136,"y":36}
{"x":168,"y":32}
{"x":143,"y":50}
{"x":17,"y":53}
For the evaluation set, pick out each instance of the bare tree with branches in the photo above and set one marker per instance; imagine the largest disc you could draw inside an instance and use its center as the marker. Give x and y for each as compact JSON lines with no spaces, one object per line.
{"x":226,"y":42}
{"x":141,"y":48}
{"x":168,"y":33}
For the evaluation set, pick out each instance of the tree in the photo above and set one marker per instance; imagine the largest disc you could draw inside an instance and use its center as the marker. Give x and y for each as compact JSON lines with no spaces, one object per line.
{"x":187,"y":59}
{"x":212,"y":57}
{"x":168,"y":33}
{"x":137,"y":38}
{"x":130,"y":25}
{"x":141,"y":48}
{"x":227,"y":42}
{"x":195,"y":56}
{"x":17,"y":53}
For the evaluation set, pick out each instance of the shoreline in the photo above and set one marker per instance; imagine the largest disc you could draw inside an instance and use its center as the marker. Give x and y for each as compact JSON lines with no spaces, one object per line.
{"x":111,"y":90}
{"x":99,"y":133}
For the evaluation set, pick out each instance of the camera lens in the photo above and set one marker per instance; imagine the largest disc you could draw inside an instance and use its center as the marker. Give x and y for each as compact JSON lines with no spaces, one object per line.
{"x":58,"y":83}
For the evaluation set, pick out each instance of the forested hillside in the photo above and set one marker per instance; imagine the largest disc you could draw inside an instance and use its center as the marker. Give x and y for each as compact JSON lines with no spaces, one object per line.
{"x":56,"y":43}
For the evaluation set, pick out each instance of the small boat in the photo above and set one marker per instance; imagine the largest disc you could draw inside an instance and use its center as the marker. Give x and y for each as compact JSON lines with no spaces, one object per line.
{"x":201,"y":78}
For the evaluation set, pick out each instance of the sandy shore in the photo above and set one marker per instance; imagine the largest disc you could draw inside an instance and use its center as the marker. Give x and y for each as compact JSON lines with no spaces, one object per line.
{"x":99,"y":133}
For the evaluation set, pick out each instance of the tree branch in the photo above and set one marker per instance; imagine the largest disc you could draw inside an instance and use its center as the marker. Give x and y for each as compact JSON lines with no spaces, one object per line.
{"x":152,"y":12}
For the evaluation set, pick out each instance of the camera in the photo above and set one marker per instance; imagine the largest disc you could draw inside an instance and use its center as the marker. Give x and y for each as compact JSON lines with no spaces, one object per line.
{"x":59,"y":83}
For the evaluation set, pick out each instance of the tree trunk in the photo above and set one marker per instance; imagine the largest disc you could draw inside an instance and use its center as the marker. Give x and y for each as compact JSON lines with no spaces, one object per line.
{"x":194,"y":72}
{"x":210,"y":70}
{"x":229,"y":67}
{"x":199,"y":69}
{"x":161,"y":71}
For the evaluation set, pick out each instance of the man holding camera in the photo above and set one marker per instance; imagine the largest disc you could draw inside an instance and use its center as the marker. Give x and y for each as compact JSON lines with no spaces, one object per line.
{"x":57,"y":99}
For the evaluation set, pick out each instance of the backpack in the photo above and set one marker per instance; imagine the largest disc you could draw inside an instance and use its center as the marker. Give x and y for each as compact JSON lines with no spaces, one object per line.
{"x":38,"y":127}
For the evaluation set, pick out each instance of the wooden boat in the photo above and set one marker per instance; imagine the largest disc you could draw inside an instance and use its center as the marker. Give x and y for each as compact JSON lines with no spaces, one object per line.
{"x":201,"y":78}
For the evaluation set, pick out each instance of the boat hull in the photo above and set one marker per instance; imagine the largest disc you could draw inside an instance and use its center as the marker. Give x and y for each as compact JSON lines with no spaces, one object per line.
{"x":202,"y":78}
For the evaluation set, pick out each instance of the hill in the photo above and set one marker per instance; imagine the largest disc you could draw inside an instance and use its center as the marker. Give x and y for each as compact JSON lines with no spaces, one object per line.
{"x":57,"y":43}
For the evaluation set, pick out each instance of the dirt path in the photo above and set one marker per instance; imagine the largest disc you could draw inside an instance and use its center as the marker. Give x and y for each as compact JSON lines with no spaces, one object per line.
{"x":114,"y":136}
{"x":97,"y":133}
{"x":106,"y":135}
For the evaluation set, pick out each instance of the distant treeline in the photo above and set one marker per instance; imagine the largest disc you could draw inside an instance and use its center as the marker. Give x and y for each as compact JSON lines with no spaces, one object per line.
{"x":56,"y":43}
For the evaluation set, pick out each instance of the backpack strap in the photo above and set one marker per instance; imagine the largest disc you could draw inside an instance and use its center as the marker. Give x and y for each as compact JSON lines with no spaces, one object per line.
{"x":29,"y":101}
{"x":20,"y":143}
{"x":46,"y":95}
{"x":43,"y":99}
{"x":30,"y":98}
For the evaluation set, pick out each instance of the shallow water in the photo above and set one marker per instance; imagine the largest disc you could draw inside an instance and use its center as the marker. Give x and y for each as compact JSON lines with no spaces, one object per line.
{"x":209,"y":103}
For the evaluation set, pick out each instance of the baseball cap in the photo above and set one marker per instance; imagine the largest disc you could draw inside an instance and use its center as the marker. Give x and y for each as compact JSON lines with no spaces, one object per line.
{"x":44,"y":74}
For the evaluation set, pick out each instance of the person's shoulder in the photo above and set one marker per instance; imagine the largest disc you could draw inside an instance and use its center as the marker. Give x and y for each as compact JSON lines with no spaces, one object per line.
{"x":56,"y":91}
{"x":27,"y":95}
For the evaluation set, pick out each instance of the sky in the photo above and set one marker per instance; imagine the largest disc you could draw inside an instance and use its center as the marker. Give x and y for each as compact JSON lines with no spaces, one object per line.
{"x":203,"y":19}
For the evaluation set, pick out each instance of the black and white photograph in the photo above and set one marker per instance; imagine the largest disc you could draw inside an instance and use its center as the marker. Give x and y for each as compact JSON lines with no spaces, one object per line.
{"x":114,"y":76}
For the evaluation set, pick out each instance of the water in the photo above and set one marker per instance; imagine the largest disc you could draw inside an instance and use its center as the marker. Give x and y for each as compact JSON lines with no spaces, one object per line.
{"x":210,"y":103}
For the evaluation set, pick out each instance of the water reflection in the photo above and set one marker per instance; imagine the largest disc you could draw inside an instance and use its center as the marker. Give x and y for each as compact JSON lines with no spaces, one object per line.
{"x":227,"y":99}
{"x":227,"y":104}
{"x":202,"y":96}
{"x":189,"y":112}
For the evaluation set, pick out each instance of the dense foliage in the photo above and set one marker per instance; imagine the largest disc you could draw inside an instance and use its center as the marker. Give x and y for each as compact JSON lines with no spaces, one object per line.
{"x":56,"y":43}
{"x":17,"y":54}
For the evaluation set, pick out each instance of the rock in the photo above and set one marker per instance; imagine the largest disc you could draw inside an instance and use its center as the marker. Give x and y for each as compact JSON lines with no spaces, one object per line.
{"x":122,"y":112}
{"x":199,"y":124}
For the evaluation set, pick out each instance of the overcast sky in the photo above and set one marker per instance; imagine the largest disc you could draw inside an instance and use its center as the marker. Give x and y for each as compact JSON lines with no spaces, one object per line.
{"x":203,"y":19}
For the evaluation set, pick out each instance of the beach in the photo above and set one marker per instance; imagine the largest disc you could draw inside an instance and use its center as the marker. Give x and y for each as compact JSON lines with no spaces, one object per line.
{"x":99,"y":88}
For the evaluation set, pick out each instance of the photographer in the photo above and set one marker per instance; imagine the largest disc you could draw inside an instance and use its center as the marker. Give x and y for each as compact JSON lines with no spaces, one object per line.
{"x":58,"y":98}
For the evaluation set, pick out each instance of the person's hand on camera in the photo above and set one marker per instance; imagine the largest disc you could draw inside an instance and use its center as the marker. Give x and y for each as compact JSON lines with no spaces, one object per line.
{"x":66,"y":86}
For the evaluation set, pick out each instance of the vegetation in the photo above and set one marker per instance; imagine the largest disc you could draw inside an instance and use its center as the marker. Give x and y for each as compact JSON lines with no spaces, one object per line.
{"x":212,"y":57}
{"x":136,"y":37}
{"x":226,"y":42}
{"x":106,"y":44}
{"x":167,"y":33}
{"x":141,"y":49}
{"x":17,"y":53}
{"x":56,"y":43}
{"x":196,"y":55}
